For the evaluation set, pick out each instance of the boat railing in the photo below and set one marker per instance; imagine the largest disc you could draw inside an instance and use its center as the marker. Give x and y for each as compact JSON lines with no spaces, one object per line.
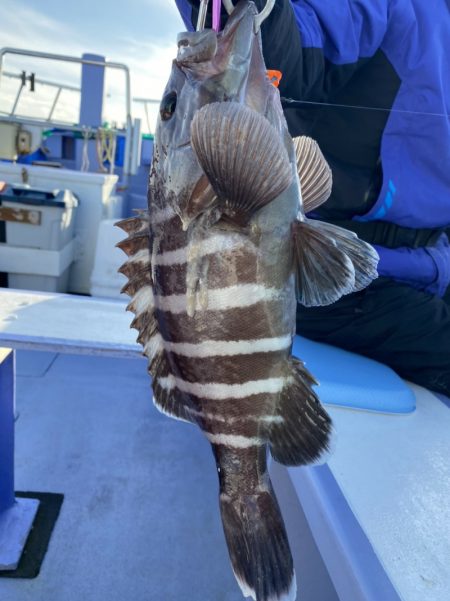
{"x":132,"y":130}
{"x":52,"y":84}
{"x":146,"y":102}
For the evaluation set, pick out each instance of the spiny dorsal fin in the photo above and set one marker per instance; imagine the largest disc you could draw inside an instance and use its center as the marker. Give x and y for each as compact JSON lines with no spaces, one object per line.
{"x":137,"y":269}
{"x":138,"y":232}
{"x":315,"y":175}
{"x":147,"y":327}
{"x":140,"y":288}
{"x":134,"y":243}
{"x":242,"y":155}
{"x":139,"y":279}
{"x":131,"y":225}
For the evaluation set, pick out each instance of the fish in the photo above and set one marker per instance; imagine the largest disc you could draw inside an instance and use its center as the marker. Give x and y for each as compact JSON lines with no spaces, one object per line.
{"x":215,"y":269}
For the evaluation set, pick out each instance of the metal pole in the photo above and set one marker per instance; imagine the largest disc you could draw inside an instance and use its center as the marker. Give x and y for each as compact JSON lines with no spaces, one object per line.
{"x":58,"y":93}
{"x":147,"y":116}
{"x":7,"y":368}
{"x":16,"y":515}
{"x":127,"y":154}
{"x":16,"y":102}
{"x":136,"y":147}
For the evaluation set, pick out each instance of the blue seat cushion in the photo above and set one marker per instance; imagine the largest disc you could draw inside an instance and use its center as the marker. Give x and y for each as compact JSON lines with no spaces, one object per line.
{"x":351,"y":380}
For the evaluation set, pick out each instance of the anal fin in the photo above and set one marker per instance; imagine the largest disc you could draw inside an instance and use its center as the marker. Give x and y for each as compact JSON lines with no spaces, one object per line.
{"x":304,"y":431}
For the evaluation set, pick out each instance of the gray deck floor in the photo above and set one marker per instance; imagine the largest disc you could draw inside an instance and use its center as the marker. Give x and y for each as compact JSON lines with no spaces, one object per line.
{"x":140,"y":519}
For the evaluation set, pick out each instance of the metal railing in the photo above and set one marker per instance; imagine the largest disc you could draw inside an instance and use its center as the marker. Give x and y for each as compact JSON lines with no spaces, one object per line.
{"x":59,"y":88}
{"x":146,"y":102}
{"x":128,"y":159}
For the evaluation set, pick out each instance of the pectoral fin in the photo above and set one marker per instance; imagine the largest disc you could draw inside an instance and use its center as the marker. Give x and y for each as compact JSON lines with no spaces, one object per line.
{"x":242,"y":155}
{"x":330,"y":262}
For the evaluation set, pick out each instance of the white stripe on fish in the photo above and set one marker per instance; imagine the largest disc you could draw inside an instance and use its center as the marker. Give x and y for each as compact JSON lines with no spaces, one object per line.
{"x":214,"y":244}
{"x":219,"y":391}
{"x":221,"y":299}
{"x":227,"y":348}
{"x":233,"y":440}
{"x":267,"y":419}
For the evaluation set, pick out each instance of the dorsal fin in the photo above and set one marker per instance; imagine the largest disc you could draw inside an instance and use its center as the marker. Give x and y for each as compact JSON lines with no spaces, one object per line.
{"x":140,"y":288}
{"x":315,"y":175}
{"x":243,"y":157}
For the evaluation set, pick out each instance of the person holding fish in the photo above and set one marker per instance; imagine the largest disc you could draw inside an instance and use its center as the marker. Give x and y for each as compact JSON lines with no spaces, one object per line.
{"x":368,"y":80}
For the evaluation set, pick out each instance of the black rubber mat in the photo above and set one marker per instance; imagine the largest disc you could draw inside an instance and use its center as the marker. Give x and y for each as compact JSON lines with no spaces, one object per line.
{"x":39,"y":537}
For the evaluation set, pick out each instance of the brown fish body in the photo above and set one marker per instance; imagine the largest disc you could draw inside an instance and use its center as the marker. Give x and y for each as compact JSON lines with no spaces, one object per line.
{"x":214,"y":269}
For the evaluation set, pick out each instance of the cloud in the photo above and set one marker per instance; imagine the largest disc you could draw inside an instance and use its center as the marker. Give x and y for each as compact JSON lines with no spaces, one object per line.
{"x":25,"y":27}
{"x":142,"y":35}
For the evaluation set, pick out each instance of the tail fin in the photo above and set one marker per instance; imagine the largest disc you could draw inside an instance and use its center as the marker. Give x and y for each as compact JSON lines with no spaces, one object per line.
{"x":258,"y":546}
{"x":253,"y":526}
{"x":330,"y":262}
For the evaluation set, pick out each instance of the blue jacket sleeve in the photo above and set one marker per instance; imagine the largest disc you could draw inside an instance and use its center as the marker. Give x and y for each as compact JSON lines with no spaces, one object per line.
{"x":425,"y":268}
{"x":185,"y":10}
{"x":346,"y":31}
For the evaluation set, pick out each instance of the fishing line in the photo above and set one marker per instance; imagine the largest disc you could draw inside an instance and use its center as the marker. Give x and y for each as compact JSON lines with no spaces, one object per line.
{"x":290,"y":103}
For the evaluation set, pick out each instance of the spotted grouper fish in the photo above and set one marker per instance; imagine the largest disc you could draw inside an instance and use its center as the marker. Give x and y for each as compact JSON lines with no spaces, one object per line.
{"x":216,"y":267}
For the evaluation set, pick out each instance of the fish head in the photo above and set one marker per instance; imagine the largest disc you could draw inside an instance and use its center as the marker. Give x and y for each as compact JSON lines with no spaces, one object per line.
{"x":210,"y":67}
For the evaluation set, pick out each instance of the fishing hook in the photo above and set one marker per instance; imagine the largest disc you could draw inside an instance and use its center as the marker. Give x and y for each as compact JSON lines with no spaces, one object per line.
{"x":203,"y":9}
{"x":229,"y":6}
{"x":262,"y":16}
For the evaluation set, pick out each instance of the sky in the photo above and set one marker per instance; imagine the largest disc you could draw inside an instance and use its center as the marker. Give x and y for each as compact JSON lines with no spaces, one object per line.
{"x":139,"y":33}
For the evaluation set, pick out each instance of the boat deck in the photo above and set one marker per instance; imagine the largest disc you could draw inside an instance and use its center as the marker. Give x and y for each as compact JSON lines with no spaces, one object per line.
{"x":140,"y":517}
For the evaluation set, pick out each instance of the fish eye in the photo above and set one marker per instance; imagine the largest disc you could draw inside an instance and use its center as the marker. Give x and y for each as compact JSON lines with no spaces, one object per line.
{"x":168,"y":106}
